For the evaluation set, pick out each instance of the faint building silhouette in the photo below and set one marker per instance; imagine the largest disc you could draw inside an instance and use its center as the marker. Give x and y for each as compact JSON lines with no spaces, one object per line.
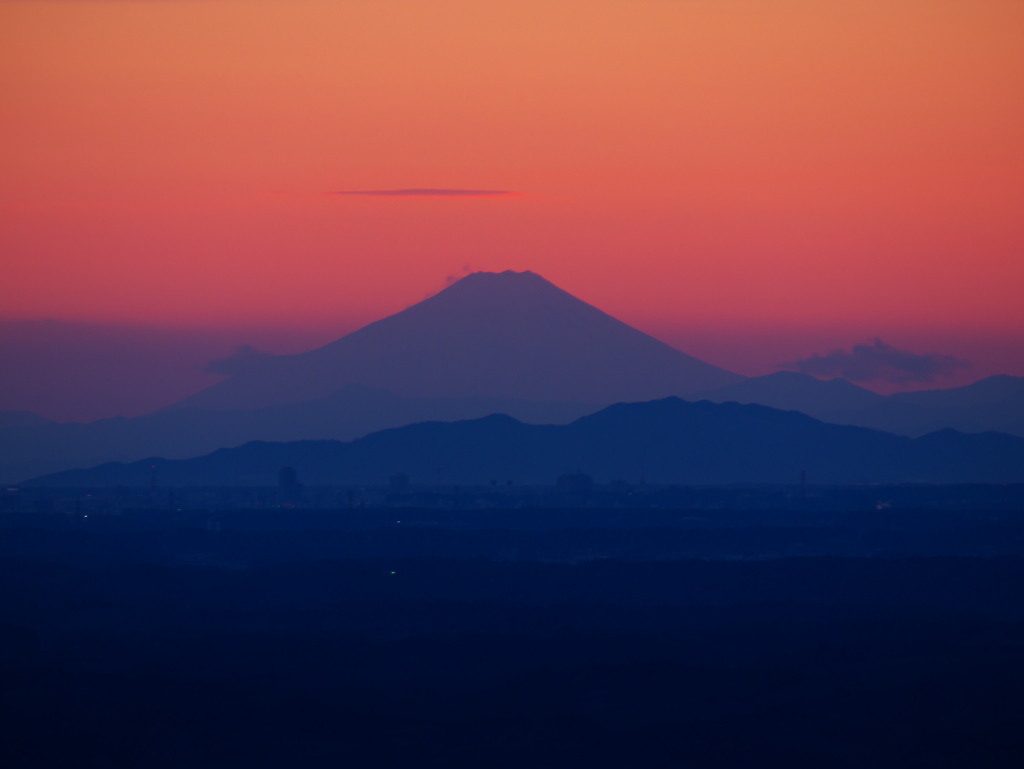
{"x":619,"y":487}
{"x":288,"y":485}
{"x":574,"y":483}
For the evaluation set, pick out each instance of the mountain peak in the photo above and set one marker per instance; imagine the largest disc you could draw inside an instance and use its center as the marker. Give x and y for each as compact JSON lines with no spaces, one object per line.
{"x":509,"y":282}
{"x":506,"y":276}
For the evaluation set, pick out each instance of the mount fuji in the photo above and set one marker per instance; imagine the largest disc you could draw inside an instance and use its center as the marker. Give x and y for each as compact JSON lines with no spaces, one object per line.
{"x":508,"y":334}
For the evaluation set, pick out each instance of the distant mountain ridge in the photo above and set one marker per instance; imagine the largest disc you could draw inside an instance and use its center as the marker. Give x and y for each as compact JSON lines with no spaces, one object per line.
{"x":31,"y":445}
{"x":792,"y":391}
{"x":992,"y":404}
{"x":509,"y":343}
{"x":508,"y":334}
{"x":666,"y":441}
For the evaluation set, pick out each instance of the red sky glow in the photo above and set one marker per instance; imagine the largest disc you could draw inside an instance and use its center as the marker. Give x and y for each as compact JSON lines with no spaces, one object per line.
{"x":823,"y":173}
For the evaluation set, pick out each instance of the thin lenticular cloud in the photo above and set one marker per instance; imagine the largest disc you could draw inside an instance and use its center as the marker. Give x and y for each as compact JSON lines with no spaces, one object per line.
{"x":416,"y":192}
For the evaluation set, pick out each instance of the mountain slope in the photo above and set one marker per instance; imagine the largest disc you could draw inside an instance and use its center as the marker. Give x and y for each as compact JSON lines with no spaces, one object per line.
{"x":22,"y":419}
{"x":667,"y":441}
{"x":512,"y":335}
{"x":793,"y":391}
{"x":995,"y":403}
{"x":991,"y":391}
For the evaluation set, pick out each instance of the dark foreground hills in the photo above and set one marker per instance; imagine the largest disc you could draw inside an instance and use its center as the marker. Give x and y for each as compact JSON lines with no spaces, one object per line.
{"x":665,"y":441}
{"x":31,"y":445}
{"x":34,"y":446}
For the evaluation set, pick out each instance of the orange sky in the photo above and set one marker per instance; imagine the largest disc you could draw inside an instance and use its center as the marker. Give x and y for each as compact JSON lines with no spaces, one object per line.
{"x":685,"y":165}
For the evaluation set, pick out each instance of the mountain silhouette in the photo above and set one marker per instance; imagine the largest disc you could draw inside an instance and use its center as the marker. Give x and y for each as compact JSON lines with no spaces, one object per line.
{"x":991,"y":391}
{"x":23,"y":419}
{"x":992,"y":404}
{"x":793,"y":391}
{"x":666,"y":441}
{"x":509,"y":334}
{"x":31,"y":445}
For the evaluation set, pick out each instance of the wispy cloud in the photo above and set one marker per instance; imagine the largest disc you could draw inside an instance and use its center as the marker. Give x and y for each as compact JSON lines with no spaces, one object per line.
{"x":422,"y":192}
{"x":880,"y":362}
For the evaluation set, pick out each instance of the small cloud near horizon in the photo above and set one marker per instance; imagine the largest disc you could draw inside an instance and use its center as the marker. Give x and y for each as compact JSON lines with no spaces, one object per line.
{"x":244,"y":359}
{"x":426,"y":192}
{"x":880,"y":362}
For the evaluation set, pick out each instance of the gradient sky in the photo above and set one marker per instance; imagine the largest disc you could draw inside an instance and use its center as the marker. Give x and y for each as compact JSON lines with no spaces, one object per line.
{"x":790,"y":176}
